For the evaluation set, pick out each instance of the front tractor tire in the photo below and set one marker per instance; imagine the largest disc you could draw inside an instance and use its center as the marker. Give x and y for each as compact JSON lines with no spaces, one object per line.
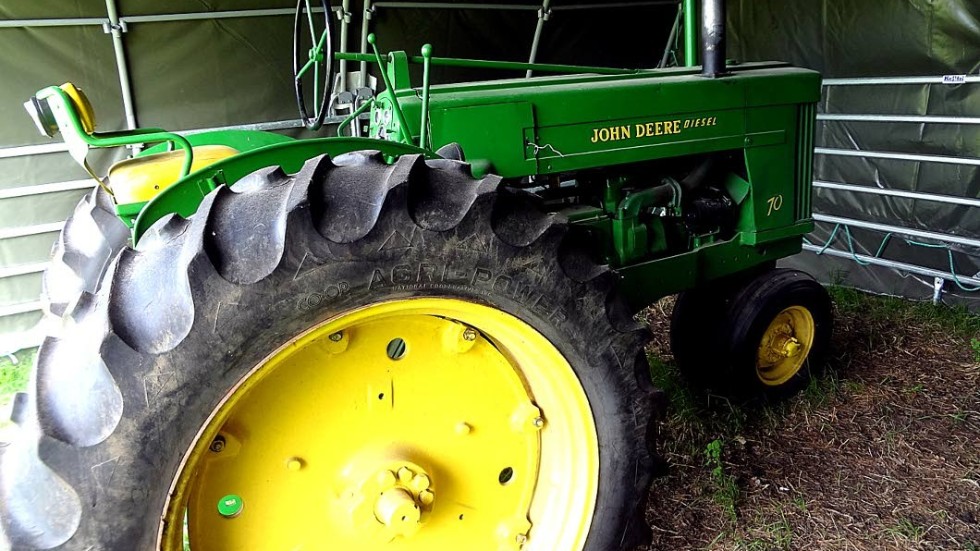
{"x":762,"y":336}
{"x":357,"y":356}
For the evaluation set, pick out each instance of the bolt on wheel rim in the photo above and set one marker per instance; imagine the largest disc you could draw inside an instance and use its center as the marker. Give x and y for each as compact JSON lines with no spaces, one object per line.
{"x":785,"y":345}
{"x":414,"y":424}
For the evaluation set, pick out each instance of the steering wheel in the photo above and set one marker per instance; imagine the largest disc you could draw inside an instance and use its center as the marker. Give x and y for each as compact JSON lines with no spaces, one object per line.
{"x":316,"y":57}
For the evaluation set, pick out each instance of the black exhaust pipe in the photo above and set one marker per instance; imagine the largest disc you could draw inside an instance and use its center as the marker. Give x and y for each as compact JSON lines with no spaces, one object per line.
{"x":713,"y":38}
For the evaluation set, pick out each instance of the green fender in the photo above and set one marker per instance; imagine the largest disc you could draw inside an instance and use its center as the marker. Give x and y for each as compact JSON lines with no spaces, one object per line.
{"x":185,"y":195}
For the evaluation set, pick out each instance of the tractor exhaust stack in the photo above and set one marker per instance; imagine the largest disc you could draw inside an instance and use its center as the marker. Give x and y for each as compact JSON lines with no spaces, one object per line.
{"x":713,"y":38}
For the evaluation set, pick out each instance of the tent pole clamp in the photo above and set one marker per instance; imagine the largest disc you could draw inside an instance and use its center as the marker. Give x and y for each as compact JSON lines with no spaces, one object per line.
{"x":114,"y":28}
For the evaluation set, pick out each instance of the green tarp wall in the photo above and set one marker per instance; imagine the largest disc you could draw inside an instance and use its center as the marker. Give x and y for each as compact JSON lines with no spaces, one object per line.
{"x":220,"y":72}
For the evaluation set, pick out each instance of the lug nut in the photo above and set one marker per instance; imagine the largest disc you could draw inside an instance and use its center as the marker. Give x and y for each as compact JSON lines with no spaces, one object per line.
{"x":521,"y":539}
{"x":337,"y":337}
{"x":538,"y":422}
{"x":419,"y":483}
{"x":469,"y":334}
{"x":405,"y":475}
{"x":217,"y":444}
{"x":387,"y":479}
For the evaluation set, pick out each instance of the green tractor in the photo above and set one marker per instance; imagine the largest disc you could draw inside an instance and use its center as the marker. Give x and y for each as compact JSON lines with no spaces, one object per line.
{"x":418,"y":339}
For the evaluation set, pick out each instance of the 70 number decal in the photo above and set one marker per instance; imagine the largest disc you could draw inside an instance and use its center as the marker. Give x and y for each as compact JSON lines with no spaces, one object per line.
{"x":775,"y":203}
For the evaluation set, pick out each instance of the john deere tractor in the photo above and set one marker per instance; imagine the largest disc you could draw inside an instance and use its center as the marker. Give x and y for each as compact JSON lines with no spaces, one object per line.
{"x":422,"y":338}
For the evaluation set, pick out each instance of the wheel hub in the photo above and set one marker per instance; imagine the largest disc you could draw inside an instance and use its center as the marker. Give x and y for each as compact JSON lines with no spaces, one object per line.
{"x":785,"y":345}
{"x":391,"y":502}
{"x":405,"y":430}
{"x":398,"y":510}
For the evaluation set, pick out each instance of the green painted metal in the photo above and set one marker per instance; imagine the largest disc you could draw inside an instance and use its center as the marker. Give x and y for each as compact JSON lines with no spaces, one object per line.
{"x":644,"y":282}
{"x":240,"y":140}
{"x":394,"y":106}
{"x":79,"y":141}
{"x":500,"y":65}
{"x":426,"y":68}
{"x":350,"y":118}
{"x":183,"y":197}
{"x":567,"y":124}
{"x":691,"y":32}
{"x":683,"y":179}
{"x":584,"y":122}
{"x":230,"y":506}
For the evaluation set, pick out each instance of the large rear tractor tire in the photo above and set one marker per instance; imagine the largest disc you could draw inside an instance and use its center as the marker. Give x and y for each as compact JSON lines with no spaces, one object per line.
{"x":92,"y":236}
{"x":358,"y":356}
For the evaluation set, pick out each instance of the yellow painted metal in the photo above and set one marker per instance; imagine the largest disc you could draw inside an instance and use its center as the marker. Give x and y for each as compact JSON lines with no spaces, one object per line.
{"x":86,"y":115}
{"x":785,"y":345}
{"x":479,"y":437}
{"x":140,"y":179}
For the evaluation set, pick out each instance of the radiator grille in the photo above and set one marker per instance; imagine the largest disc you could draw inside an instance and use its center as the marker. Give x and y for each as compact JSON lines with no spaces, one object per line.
{"x":804,"y":160}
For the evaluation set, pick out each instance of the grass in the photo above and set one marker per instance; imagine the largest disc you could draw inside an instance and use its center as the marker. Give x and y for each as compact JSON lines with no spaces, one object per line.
{"x":906,"y":529}
{"x":955,"y":319}
{"x":13,"y":379}
{"x":726,"y":489}
{"x":14,"y":376}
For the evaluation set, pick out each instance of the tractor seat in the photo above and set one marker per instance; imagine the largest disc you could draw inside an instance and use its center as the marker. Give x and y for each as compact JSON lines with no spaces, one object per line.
{"x":140,"y":179}
{"x":135,"y":180}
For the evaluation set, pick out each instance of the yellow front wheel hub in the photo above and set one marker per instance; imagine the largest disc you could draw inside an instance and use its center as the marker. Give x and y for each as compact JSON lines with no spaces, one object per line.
{"x":785,"y":345}
{"x":414,"y":424}
{"x":397,"y":509}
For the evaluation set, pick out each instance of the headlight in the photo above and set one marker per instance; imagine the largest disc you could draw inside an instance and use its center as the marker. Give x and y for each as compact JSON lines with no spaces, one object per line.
{"x":43,"y":118}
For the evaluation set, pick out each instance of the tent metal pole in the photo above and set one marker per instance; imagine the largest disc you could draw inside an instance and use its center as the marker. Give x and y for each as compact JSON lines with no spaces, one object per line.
{"x":41,"y":189}
{"x":672,"y":37}
{"x":453,"y":6}
{"x":936,"y":198}
{"x":365,"y":22}
{"x":22,"y":308}
{"x":155,"y":18}
{"x":613,"y":5}
{"x":27,"y":150}
{"x":58,"y":22}
{"x":115,"y":28}
{"x":344,"y":25}
{"x":917,"y":119}
{"x":226,"y":14}
{"x":897,"y":156}
{"x":543,"y":15}
{"x":942,"y":79}
{"x":887,"y":228}
{"x":26,"y":231}
{"x":912,"y":268}
{"x":23,"y":269}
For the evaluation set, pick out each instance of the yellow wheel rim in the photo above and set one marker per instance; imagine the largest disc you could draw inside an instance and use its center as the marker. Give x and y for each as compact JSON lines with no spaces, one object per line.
{"x":785,"y":346}
{"x":415,"y":424}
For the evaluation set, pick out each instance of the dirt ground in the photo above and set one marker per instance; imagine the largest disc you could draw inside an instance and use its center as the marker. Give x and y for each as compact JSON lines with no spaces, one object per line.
{"x":881,"y":452}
